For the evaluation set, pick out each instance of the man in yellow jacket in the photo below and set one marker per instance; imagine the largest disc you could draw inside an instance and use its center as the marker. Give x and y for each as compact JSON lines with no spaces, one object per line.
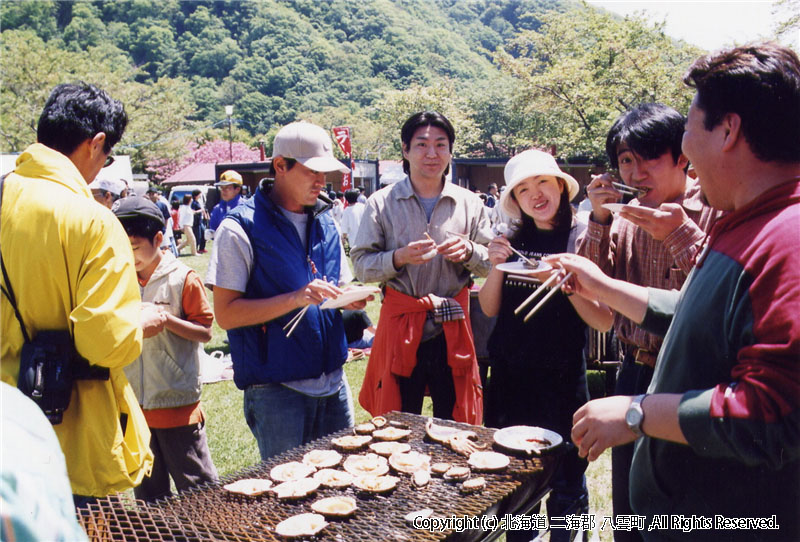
{"x":70,"y":265}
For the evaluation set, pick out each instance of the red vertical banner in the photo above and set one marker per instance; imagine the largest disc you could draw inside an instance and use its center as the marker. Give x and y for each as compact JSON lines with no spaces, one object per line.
{"x":342,"y":136}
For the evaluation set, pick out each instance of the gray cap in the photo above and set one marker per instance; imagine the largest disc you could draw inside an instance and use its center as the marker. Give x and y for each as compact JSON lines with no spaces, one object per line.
{"x":308,"y":144}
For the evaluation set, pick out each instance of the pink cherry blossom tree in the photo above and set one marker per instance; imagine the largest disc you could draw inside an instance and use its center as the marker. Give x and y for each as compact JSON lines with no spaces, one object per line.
{"x":211,"y":152}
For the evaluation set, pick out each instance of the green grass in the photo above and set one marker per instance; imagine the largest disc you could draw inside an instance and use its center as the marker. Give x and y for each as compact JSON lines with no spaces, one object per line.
{"x":233,"y":447}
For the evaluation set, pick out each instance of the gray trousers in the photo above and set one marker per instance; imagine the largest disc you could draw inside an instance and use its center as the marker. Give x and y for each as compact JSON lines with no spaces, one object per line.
{"x":180,"y":452}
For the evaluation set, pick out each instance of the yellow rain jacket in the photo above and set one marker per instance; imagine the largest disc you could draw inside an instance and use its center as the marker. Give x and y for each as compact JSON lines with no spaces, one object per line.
{"x":71,"y":266}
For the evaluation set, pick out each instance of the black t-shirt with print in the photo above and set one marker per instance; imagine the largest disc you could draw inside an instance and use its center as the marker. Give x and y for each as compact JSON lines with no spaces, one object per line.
{"x":538,"y":370}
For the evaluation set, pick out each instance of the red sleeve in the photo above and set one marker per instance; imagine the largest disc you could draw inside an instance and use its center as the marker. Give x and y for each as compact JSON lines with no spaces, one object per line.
{"x":195,"y":302}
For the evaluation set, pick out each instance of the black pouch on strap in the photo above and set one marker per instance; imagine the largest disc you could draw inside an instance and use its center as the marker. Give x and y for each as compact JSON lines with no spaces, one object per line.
{"x":48,"y":366}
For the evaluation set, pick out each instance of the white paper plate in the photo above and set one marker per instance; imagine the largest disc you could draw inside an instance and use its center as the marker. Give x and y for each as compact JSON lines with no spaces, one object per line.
{"x":356,"y":293}
{"x":519,"y":268}
{"x":526,"y":438}
{"x":614,"y":207}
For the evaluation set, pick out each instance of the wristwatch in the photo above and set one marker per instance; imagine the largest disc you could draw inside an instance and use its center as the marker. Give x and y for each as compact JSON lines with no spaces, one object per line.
{"x":634,"y":417}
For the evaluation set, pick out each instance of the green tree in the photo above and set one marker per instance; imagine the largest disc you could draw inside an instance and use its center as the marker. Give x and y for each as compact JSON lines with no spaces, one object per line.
{"x":157,"y":111}
{"x":582,"y":68}
{"x":86,"y":29}
{"x":444,"y":97}
{"x":36,"y":15}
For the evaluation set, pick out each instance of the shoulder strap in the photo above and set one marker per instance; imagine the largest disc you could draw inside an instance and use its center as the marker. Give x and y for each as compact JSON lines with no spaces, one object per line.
{"x":10,"y":292}
{"x":577,"y":229}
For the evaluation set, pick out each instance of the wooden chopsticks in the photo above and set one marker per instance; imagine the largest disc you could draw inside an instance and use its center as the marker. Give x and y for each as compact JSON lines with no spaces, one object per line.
{"x":538,"y":291}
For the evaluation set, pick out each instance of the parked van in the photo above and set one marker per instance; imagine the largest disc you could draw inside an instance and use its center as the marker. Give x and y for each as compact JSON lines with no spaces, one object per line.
{"x":209,"y":194}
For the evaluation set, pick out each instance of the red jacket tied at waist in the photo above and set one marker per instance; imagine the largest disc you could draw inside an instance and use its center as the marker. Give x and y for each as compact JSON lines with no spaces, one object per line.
{"x":394,"y":353}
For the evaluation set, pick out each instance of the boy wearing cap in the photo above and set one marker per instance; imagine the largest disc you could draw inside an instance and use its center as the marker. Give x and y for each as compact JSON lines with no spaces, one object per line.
{"x":230,"y":192}
{"x":166,"y":376}
{"x":274,"y":255}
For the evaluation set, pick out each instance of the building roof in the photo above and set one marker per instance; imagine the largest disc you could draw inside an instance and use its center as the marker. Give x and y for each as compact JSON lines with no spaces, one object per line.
{"x":198,"y":173}
{"x":120,"y":169}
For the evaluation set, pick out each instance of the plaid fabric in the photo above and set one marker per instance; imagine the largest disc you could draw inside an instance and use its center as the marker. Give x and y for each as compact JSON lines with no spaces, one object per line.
{"x":627,"y":252}
{"x":445,"y":309}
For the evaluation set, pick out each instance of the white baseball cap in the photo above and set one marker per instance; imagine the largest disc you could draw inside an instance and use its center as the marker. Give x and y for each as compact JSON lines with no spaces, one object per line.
{"x":532,"y":163}
{"x":308,"y":144}
{"x":109,"y":185}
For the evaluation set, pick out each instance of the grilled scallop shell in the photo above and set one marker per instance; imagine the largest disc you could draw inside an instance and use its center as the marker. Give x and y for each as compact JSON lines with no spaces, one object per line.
{"x":333,"y":478}
{"x":249,"y":486}
{"x":421,"y":478}
{"x":488,"y":461}
{"x":456,"y":474}
{"x":391,"y":433}
{"x":409,"y":462}
{"x":294,"y":470}
{"x":350,"y":443}
{"x":379,"y":421}
{"x":387,"y":448}
{"x":364,"y":428}
{"x":322,"y":459}
{"x":376,"y":484}
{"x":473,"y":484}
{"x":366,"y":465}
{"x":301,"y":525}
{"x":296,"y":489}
{"x":440,"y":468}
{"x":338,"y":506}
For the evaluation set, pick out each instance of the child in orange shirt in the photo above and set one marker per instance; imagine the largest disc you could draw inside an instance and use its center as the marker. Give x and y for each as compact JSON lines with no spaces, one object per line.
{"x":166,"y":376}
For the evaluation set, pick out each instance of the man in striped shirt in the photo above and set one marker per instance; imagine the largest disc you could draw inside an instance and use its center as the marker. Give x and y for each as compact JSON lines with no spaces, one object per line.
{"x":652,"y":242}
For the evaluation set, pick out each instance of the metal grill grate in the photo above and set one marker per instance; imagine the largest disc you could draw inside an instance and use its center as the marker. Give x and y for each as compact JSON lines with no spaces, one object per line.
{"x":211,"y":513}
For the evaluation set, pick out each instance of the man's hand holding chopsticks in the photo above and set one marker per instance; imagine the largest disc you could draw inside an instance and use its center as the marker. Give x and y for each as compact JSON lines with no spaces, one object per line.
{"x":587,"y":279}
{"x":455,"y":249}
{"x":315,"y":292}
{"x":414,"y":253}
{"x":599,"y":191}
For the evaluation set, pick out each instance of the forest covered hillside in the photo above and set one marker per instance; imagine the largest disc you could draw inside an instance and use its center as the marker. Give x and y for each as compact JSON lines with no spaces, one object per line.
{"x":177,"y":64}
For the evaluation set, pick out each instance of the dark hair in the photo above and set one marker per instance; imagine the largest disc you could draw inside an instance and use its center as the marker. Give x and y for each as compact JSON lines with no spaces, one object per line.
{"x":142,"y":226}
{"x":761,"y":84}
{"x":425,"y":118}
{"x":290,"y":162}
{"x":351,"y":196}
{"x":563,"y":217}
{"x":196,"y":192}
{"x":649,"y":130}
{"x":175,"y":204}
{"x":187,"y":199}
{"x":75,"y":113}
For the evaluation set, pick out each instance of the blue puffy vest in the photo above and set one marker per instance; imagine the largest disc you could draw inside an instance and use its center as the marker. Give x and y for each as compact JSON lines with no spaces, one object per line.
{"x":262,"y":354}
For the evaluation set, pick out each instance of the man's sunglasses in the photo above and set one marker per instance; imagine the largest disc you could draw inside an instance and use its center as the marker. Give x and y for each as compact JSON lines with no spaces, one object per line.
{"x":109,"y":160}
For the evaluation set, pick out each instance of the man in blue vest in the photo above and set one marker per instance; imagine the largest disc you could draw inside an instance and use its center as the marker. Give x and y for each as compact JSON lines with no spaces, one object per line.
{"x":275,"y":255}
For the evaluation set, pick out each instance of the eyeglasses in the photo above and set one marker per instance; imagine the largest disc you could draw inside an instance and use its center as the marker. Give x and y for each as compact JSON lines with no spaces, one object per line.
{"x":109,"y":160}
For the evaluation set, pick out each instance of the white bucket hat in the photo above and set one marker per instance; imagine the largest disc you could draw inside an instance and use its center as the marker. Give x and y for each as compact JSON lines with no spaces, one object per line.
{"x":531,"y":163}
{"x":308,"y":144}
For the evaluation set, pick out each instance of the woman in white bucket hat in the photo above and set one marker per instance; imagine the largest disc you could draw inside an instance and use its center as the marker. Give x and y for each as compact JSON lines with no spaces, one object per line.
{"x":538,"y":374}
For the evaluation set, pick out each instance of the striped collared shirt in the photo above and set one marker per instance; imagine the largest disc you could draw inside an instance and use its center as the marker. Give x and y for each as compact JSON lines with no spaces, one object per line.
{"x":627,"y":252}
